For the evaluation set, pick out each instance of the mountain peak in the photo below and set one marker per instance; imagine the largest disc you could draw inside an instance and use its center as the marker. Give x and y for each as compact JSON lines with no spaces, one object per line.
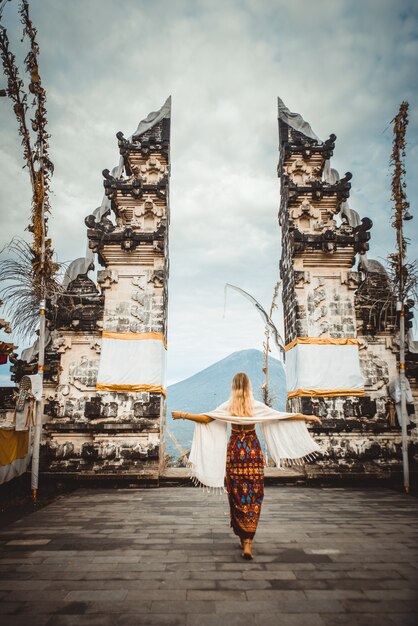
{"x":212,"y":385}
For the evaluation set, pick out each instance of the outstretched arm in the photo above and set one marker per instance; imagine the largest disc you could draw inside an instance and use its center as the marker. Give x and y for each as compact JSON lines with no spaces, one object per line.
{"x":306,"y":418}
{"x":202,"y":419}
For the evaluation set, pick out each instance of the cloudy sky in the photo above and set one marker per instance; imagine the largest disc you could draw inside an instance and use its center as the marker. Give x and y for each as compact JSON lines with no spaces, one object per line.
{"x":345,"y":65}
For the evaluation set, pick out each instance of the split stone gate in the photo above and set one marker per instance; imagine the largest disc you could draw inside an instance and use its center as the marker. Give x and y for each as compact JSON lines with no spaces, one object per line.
{"x":105,"y":361}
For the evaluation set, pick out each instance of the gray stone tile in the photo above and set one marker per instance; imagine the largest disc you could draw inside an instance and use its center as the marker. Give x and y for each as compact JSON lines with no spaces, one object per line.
{"x":216,"y":595}
{"x":216,"y":575}
{"x":272,"y":606}
{"x":138,"y":606}
{"x":391,"y":594}
{"x":128,"y":585}
{"x":187,"y":606}
{"x":374,"y":574}
{"x":52,"y":607}
{"x":403,"y":619}
{"x":156,"y":595}
{"x":34,"y":595}
{"x":22,"y":559}
{"x":22,"y":620}
{"x":140,"y":567}
{"x":192,"y":566}
{"x":277,"y":595}
{"x":357,"y":619}
{"x":380,"y":606}
{"x":96,"y":595}
{"x":264,"y":575}
{"x":334,"y":594}
{"x":288,"y":619}
{"x":216,"y":620}
{"x":17,"y":585}
{"x":81,"y":620}
{"x":175,"y":583}
{"x":6,"y":608}
{"x":151,"y":620}
{"x":323,"y":575}
{"x":28,"y":542}
{"x":243,"y":585}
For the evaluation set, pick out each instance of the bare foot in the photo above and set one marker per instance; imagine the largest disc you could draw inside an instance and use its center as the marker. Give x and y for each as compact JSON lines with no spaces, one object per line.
{"x":247,"y":553}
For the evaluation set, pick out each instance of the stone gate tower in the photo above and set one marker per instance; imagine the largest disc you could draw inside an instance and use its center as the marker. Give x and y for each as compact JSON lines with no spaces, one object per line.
{"x":105,"y":393}
{"x":340,"y":321}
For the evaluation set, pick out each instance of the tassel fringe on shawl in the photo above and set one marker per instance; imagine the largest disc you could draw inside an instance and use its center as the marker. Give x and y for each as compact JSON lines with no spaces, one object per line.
{"x":288,"y":442}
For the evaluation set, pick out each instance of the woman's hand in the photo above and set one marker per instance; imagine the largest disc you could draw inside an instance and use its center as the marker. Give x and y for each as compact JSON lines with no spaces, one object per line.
{"x":307,"y":418}
{"x":177,"y":415}
{"x":313,"y":418}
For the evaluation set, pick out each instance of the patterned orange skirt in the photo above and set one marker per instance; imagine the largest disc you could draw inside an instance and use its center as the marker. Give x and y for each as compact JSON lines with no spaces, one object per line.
{"x":244,"y":482}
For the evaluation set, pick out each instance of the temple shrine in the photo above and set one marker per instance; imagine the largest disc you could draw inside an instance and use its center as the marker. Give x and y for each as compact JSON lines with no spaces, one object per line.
{"x":104,"y":382}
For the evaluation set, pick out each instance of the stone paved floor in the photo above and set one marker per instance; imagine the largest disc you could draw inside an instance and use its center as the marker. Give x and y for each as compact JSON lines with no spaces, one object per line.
{"x":324,"y":557}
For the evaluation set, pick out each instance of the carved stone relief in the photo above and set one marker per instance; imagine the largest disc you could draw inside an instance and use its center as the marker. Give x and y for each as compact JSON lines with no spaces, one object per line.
{"x":60,"y":343}
{"x":106,"y":278}
{"x":351,"y":279}
{"x":301,"y":279}
{"x":148,"y":215}
{"x":153,"y":170}
{"x":305,"y":215}
{"x":299,"y":172}
{"x":83,"y":374}
{"x":375,"y":370}
{"x":96,"y":345}
{"x":330,"y":311}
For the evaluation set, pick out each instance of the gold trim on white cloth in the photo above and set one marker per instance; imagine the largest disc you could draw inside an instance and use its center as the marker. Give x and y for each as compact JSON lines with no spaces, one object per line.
{"x":321,"y":341}
{"x":119,"y":388}
{"x":325,"y":392}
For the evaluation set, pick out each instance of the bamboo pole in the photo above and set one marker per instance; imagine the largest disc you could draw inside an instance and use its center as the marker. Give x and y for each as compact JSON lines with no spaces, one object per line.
{"x":41,"y":353}
{"x":402,"y":380}
{"x":402,"y":373}
{"x":399,"y":264}
{"x":38,"y":406}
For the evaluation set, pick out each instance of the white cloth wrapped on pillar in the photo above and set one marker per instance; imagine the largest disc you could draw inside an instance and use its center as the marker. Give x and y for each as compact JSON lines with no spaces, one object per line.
{"x":395,"y":393}
{"x":317,"y":366}
{"x":132,"y":362}
{"x":36,"y":386}
{"x":30,"y":389}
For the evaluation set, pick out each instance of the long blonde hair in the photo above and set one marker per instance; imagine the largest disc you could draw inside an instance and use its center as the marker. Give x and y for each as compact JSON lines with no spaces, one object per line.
{"x":241,"y":399}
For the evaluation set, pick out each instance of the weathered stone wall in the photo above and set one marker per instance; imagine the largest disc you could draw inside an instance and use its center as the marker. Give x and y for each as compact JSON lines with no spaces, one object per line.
{"x":118,"y":433}
{"x":324,"y":297}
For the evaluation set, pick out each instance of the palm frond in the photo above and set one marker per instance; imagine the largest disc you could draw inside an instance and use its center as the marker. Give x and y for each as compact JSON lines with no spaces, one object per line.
{"x":22,"y":288}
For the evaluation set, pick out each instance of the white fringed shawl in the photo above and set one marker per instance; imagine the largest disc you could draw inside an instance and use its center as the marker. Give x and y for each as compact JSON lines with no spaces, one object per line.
{"x":287,"y":441}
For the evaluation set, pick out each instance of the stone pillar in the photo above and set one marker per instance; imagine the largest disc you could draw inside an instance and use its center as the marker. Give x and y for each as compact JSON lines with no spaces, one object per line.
{"x":134,"y":252}
{"x":115,"y":430}
{"x":326,"y":299}
{"x":317,"y":254}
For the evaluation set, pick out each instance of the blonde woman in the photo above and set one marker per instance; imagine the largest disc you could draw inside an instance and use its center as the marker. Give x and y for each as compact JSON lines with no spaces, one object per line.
{"x":244,"y":478}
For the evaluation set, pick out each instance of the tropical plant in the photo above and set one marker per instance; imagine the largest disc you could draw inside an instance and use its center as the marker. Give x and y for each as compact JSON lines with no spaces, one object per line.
{"x":22,"y":288}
